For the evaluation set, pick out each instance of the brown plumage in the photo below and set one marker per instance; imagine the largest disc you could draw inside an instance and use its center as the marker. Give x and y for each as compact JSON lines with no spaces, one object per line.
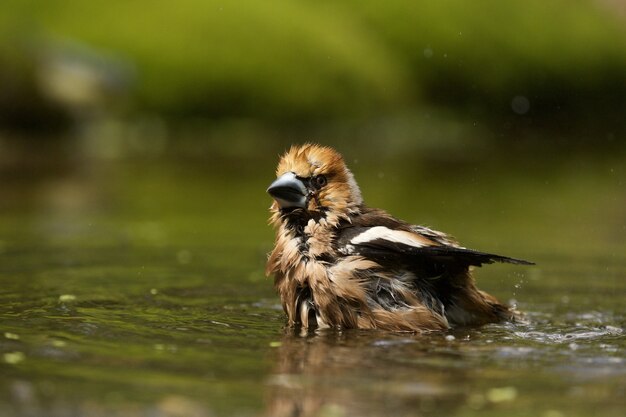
{"x":338,"y":263}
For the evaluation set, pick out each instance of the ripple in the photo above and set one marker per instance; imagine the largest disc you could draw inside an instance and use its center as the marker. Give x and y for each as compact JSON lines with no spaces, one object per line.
{"x":390,"y":343}
{"x":570,"y":328}
{"x":565,"y":336}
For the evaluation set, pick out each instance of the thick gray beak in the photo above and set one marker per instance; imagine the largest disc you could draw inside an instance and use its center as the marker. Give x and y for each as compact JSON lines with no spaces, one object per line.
{"x":288,"y":191}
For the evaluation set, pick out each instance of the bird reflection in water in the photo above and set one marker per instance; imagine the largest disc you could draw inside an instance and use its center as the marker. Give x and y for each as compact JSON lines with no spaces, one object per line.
{"x":360,"y":373}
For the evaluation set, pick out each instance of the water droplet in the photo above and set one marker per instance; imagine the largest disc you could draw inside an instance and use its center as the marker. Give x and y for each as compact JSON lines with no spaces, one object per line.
{"x":520,"y":105}
{"x":428,"y":53}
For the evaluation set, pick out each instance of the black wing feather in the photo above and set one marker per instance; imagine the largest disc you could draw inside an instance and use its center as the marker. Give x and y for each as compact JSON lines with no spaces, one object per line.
{"x":441,"y":254}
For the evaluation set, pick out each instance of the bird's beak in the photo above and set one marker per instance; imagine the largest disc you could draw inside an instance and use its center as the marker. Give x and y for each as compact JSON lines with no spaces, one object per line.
{"x":288,"y":191}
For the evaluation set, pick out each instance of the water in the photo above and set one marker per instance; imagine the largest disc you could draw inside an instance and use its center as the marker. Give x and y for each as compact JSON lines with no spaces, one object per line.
{"x":136,"y":289}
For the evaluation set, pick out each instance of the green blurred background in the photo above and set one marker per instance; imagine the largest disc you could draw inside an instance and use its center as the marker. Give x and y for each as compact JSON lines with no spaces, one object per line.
{"x":413,"y":73}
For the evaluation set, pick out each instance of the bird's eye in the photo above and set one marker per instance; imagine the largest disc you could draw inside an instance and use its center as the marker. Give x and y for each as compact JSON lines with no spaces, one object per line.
{"x":319,"y":181}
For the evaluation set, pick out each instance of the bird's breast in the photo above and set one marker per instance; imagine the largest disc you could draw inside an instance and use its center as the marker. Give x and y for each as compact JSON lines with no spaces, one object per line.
{"x":309,"y":273}
{"x":318,"y":239}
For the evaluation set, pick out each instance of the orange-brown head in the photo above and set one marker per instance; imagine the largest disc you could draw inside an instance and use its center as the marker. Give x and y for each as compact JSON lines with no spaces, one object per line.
{"x":314,"y":179}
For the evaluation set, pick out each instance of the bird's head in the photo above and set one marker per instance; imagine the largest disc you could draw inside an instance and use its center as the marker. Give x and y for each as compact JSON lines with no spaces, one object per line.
{"x":314,"y":179}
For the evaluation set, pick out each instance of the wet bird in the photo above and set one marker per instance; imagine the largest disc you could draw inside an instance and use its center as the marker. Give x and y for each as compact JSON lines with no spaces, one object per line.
{"x":338,"y":263}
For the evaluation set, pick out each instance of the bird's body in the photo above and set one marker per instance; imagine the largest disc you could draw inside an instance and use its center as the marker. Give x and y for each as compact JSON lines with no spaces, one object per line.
{"x":338,"y":263}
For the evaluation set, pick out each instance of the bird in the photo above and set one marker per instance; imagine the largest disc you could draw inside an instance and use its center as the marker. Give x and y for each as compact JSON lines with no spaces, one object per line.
{"x":338,"y":263}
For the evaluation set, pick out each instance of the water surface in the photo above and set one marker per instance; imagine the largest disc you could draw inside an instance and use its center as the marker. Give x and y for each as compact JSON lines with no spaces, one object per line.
{"x":136,"y":288}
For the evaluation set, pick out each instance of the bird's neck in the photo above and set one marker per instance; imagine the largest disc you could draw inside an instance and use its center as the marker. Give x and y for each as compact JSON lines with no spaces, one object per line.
{"x":312,"y":235}
{"x":302,"y":238}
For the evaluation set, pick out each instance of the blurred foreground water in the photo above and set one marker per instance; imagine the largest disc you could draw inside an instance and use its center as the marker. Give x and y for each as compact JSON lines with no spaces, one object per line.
{"x":135,"y":287}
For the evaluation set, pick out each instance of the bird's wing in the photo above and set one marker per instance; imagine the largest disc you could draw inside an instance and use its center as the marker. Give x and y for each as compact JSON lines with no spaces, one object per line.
{"x":410,"y":244}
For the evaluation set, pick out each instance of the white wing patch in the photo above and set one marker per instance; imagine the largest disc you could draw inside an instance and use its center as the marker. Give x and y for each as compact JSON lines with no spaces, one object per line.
{"x":348,"y":249}
{"x":397,"y":236}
